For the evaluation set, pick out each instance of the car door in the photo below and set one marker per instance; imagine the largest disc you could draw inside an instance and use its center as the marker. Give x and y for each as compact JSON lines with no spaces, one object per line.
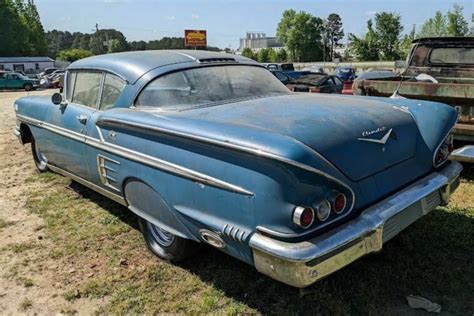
{"x":67,"y":149}
{"x":13,"y":81}
{"x":326,"y":86}
{"x":338,"y":85}
{"x":3,"y":81}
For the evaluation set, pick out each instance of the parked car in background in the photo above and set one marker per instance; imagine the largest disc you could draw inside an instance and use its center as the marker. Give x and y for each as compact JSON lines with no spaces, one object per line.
{"x":287,"y":68}
{"x":47,"y":71}
{"x":346,"y":73}
{"x":316,"y":83}
{"x":315,"y":70}
{"x":13,"y":80}
{"x":211,"y":148}
{"x":284,"y":78}
{"x":438,"y":69}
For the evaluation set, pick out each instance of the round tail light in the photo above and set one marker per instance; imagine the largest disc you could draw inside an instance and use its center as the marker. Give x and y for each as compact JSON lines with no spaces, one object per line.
{"x":303,"y":216}
{"x":324,"y":210}
{"x":339,"y":203}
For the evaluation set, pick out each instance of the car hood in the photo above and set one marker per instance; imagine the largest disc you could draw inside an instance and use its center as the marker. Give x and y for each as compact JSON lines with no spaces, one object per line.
{"x":359,"y":136}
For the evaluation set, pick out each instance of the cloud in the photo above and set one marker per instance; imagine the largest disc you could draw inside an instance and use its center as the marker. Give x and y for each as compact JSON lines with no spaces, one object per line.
{"x":371,"y":12}
{"x":170,"y":17}
{"x":194,"y":16}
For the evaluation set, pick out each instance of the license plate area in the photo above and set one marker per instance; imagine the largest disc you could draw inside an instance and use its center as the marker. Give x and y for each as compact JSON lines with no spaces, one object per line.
{"x":402,"y":220}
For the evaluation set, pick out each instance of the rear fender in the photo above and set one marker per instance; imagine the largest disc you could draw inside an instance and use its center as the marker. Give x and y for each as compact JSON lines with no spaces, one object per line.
{"x":149,"y":205}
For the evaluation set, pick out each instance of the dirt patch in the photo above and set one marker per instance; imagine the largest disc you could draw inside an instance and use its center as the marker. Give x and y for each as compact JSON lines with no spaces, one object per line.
{"x":27,"y":275}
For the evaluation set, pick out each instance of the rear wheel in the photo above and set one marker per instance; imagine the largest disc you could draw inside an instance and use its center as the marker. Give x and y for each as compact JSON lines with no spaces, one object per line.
{"x":28,"y":87}
{"x":165,"y":244}
{"x":38,"y":157}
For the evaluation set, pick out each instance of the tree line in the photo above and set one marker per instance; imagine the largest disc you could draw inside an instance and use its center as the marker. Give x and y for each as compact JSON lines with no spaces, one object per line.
{"x":21,"y":31}
{"x":384,"y":40}
{"x":305,"y":37}
{"x":310,"y":38}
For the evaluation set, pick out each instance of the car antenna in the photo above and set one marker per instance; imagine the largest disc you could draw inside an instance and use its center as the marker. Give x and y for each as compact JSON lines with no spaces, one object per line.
{"x":396,"y":94}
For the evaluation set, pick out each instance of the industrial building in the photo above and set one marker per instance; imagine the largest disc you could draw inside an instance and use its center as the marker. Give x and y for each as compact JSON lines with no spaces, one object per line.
{"x":258,"y":40}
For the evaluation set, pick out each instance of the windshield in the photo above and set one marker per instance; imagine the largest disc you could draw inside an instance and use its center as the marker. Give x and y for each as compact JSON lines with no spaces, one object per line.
{"x":207,"y":85}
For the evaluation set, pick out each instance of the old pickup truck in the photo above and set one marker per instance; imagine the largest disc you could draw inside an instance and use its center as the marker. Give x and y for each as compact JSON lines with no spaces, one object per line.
{"x":438,"y":69}
{"x":211,"y":148}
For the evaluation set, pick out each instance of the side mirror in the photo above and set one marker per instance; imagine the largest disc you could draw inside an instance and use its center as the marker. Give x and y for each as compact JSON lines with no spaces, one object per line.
{"x":57,"y":98}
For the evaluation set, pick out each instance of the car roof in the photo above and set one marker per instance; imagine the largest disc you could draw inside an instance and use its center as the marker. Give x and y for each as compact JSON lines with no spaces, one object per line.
{"x":444,"y":40}
{"x":130,"y":66}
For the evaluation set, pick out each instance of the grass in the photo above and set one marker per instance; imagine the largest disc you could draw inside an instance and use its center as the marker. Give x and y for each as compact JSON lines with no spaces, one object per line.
{"x":432,"y":258}
{"x":25,"y":304}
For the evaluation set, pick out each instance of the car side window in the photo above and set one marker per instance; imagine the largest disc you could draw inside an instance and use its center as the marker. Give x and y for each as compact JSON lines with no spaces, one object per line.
{"x":337,"y":81}
{"x":113,"y":87}
{"x":71,"y":80}
{"x":86,"y":88}
{"x":280,"y":76}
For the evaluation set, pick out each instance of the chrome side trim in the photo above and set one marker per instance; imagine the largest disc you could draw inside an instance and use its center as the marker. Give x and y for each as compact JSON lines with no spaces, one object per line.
{"x":117,"y":198}
{"x":102,"y":169}
{"x":253,"y":151}
{"x":138,"y":157}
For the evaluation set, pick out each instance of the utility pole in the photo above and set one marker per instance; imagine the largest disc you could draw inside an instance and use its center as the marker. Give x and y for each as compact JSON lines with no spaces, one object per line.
{"x":96,"y":27}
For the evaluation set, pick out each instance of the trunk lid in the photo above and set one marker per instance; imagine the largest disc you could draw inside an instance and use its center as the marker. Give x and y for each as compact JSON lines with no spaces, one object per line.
{"x":360,"y":136}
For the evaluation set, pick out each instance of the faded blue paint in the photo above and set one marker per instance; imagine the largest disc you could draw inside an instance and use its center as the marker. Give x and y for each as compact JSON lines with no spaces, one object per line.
{"x":315,"y":130}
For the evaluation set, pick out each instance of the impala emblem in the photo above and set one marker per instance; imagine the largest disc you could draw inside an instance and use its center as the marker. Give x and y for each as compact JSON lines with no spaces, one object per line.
{"x":381,"y":141}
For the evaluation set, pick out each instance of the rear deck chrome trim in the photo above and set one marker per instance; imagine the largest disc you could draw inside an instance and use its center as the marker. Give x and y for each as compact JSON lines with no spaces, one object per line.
{"x":256,"y":152}
{"x":138,"y":156}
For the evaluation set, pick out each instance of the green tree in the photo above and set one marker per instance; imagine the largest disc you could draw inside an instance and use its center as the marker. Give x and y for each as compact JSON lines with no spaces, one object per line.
{"x":381,"y":41}
{"x":21,"y":32}
{"x":434,"y":27}
{"x":457,"y":25}
{"x":334,"y":31}
{"x":263,"y":55}
{"x":282,"y":55}
{"x":405,"y":44}
{"x":36,"y":35}
{"x":301,"y":34}
{"x":365,"y":48}
{"x":13,"y":33}
{"x":388,"y":28}
{"x":73,"y":54}
{"x":247,"y":52}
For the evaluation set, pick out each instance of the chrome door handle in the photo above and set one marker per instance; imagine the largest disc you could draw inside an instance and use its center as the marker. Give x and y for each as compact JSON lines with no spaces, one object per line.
{"x":82,"y":119}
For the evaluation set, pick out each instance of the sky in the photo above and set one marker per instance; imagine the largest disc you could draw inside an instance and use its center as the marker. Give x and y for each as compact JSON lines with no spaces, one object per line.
{"x":225,"y":21}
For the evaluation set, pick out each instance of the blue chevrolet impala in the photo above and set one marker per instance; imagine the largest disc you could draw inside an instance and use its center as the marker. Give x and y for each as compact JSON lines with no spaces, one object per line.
{"x":211,"y":148}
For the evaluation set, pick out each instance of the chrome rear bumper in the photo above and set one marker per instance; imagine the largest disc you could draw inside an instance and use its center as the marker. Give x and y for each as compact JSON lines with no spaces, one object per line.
{"x":301,"y":264}
{"x":464,"y":154}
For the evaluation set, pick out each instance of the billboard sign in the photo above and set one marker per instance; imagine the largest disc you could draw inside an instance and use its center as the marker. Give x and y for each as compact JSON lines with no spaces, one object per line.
{"x":195,"y":38}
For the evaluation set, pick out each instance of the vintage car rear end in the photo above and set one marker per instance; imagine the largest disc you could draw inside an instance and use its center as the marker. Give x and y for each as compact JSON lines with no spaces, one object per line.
{"x":206,"y":148}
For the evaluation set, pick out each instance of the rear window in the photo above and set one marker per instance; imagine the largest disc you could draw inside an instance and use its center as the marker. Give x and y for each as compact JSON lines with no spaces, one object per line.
{"x":452,"y":55}
{"x":206,"y":85}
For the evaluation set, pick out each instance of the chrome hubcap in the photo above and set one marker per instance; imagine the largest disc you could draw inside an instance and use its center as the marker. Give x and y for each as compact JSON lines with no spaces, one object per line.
{"x":160,"y":236}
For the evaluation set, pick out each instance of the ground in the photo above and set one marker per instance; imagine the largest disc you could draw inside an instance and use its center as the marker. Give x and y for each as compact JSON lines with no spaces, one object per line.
{"x":65,"y":249}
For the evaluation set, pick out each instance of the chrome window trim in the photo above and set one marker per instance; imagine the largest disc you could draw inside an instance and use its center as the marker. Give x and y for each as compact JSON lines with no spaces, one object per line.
{"x":98,"y":69}
{"x":138,"y":156}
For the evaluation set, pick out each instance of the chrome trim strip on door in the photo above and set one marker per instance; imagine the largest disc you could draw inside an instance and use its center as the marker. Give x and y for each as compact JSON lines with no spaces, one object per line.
{"x":256,"y":152}
{"x":138,"y":157}
{"x":117,"y":198}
